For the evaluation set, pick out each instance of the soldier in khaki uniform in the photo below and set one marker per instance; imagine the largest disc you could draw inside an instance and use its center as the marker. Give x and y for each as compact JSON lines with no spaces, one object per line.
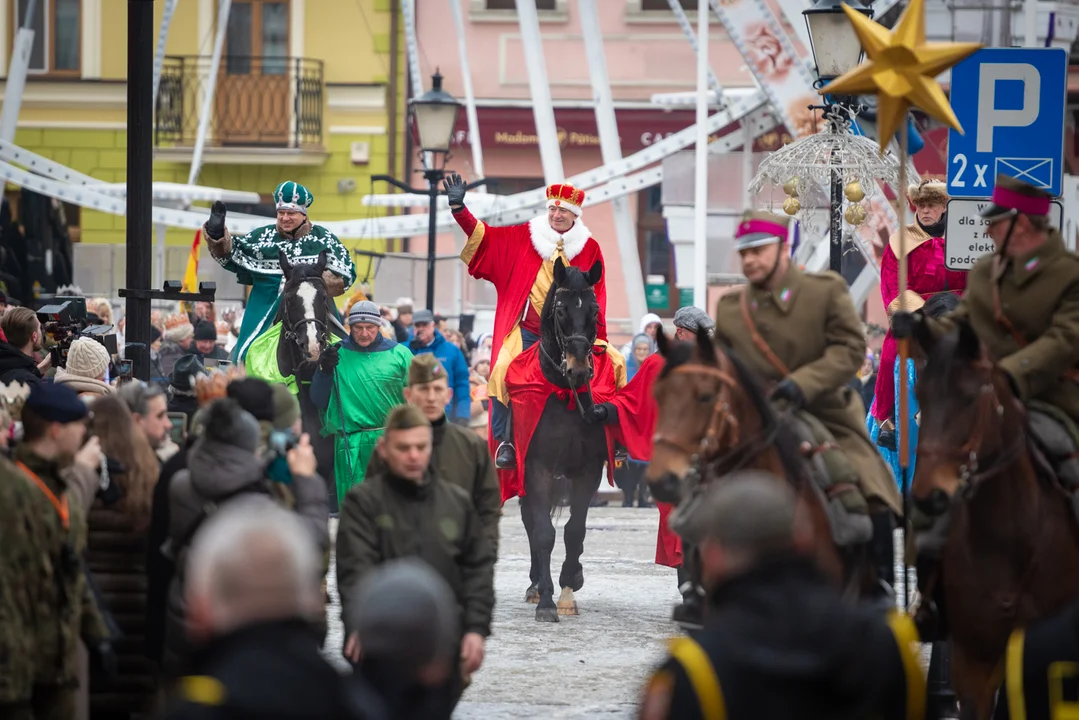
{"x":800,"y":333}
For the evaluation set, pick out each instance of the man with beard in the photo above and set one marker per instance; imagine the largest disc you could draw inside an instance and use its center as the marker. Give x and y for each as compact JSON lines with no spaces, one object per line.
{"x":150,"y":407}
{"x":24,"y":337}
{"x":255,"y":257}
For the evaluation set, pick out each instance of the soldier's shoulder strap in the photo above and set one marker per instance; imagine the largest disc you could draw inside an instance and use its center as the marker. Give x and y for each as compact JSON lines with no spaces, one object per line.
{"x":688,"y":653}
{"x":907,"y":640}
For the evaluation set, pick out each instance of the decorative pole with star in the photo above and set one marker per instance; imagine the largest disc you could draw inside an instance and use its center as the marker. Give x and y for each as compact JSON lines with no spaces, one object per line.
{"x":901,"y":70}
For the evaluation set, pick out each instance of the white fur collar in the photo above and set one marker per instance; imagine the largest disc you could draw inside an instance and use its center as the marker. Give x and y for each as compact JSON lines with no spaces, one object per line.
{"x":545,"y":239}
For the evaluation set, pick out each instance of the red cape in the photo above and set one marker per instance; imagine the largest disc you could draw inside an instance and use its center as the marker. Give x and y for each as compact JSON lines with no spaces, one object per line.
{"x":637,"y":414}
{"x":529,"y":390}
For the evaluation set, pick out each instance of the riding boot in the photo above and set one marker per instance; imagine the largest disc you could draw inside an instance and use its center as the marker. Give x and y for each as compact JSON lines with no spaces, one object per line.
{"x":644,"y":498}
{"x":886,"y":437}
{"x":506,"y":454}
{"x":941,"y":702}
{"x":882,"y":551}
{"x":691,"y":611}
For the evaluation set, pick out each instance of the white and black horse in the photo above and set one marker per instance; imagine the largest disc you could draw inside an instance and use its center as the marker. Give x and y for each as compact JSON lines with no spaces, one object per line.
{"x":307,"y":319}
{"x":566,"y":453}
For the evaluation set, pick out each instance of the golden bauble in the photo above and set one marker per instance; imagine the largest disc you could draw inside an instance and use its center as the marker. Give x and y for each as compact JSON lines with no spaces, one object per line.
{"x":855,"y":214}
{"x":791,"y":205}
{"x":791,"y":188}
{"x":854,"y":191}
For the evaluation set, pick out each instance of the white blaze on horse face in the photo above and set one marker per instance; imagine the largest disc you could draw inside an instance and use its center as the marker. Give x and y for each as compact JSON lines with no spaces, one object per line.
{"x":308,"y":293}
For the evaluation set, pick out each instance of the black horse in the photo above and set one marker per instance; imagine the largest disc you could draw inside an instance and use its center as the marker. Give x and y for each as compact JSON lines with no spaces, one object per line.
{"x":566,"y":453}
{"x":306,"y":321}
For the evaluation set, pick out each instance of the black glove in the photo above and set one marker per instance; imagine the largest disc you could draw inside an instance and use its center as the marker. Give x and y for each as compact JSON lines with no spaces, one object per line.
{"x":330,"y":357}
{"x":903,"y":323}
{"x":603,"y":414}
{"x":455,"y":191}
{"x":103,"y":663}
{"x":215,"y":226}
{"x":789,"y":392}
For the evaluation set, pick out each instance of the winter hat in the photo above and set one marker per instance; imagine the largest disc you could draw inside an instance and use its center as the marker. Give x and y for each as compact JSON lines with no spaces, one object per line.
{"x":56,"y":403}
{"x":291,"y":195}
{"x":184,"y":373}
{"x":87,"y":358}
{"x":205,"y":331}
{"x":693,"y":319}
{"x":643,"y":338}
{"x":365,"y":312}
{"x":424,"y":368}
{"x":178,"y":328}
{"x":423,"y":316}
{"x":405,"y":614}
{"x":286,"y":408}
{"x":928,"y":192}
{"x":227,"y":422}
{"x":255,"y":396}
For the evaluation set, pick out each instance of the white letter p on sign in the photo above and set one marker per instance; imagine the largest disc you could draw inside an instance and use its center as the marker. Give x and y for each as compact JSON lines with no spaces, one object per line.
{"x":988,"y":116}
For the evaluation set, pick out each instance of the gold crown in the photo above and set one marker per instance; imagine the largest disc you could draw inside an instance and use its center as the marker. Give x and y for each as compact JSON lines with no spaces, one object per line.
{"x":175,"y":321}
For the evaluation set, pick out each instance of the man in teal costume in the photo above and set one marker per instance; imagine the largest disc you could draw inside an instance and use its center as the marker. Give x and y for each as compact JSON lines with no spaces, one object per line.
{"x":254,"y":257}
{"x":358,"y":382}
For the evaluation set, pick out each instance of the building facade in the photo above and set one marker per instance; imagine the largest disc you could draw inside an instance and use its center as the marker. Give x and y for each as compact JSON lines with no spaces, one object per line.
{"x":307,"y":90}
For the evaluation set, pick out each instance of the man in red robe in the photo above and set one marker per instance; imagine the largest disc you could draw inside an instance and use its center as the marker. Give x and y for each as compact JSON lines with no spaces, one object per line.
{"x":519,"y":261}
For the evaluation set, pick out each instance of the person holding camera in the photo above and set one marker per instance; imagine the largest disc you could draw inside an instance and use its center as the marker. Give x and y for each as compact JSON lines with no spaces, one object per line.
{"x":24,"y":338}
{"x":44,"y":682}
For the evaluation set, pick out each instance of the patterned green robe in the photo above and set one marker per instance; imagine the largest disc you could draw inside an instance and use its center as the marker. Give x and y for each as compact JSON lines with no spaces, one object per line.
{"x":254,"y":259}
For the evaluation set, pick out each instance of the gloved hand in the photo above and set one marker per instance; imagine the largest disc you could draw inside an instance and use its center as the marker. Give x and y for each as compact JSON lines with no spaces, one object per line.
{"x":789,"y":392}
{"x":103,"y":662}
{"x":455,"y":191}
{"x":904,"y":323}
{"x":602,"y":414}
{"x":330,"y":357}
{"x":215,"y":226}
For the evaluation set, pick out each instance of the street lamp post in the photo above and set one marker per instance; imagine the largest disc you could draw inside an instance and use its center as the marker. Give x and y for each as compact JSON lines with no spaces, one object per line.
{"x":836,"y":49}
{"x":434,"y":115}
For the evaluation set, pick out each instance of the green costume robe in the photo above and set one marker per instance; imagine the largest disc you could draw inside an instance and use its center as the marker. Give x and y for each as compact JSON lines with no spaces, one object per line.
{"x":261,"y":361}
{"x":255,"y":260}
{"x":367,"y":384}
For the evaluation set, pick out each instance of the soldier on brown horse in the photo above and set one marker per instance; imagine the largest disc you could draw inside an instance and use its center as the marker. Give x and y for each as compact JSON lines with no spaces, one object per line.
{"x":996,"y":472}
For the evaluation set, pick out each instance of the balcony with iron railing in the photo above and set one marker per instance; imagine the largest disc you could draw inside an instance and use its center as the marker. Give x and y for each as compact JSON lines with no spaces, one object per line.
{"x":267,"y":103}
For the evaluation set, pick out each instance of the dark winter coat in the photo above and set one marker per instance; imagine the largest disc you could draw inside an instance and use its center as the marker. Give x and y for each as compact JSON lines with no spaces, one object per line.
{"x":159,"y":566}
{"x":169,"y":353}
{"x":388,"y":517}
{"x":783,"y":645}
{"x":269,"y":671}
{"x":460,"y":457}
{"x":17,"y":366}
{"x":116,"y":555}
{"x":217,"y":472}
{"x":457,"y":373}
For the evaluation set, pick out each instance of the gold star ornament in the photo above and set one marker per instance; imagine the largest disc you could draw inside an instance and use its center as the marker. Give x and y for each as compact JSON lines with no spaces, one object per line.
{"x":901,"y":70}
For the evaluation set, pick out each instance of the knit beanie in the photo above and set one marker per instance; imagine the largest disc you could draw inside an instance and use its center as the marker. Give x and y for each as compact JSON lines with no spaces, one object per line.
{"x":255,"y":396}
{"x":87,"y":358}
{"x":205,"y":331}
{"x":364,"y":311}
{"x":286,"y":408}
{"x":405,"y":615}
{"x":228,"y":423}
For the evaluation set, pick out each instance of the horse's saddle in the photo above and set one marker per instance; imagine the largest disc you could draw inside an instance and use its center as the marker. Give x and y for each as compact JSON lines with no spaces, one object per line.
{"x":836,"y":480}
{"x":1057,"y":438}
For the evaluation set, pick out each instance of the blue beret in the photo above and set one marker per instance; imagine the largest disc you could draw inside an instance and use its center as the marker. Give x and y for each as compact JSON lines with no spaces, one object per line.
{"x":56,"y":403}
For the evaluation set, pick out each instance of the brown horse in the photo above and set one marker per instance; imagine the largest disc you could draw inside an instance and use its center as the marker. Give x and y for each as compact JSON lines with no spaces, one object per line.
{"x":714,"y":418}
{"x":1011,"y":552}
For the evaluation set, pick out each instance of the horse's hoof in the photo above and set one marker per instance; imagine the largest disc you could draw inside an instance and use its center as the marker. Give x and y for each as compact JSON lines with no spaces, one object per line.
{"x":567,"y":604}
{"x":532,"y":594}
{"x":549,"y":614}
{"x":578,"y":581}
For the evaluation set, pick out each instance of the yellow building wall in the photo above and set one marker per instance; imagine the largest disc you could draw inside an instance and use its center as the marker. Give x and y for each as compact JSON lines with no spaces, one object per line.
{"x":335,"y":32}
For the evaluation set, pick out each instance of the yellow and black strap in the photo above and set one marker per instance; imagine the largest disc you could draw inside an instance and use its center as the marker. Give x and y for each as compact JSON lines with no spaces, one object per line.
{"x":702,"y":676}
{"x":906,"y":637}
{"x":202,"y":690}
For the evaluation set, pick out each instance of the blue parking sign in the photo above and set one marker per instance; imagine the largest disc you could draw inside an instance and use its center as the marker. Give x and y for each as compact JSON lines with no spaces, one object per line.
{"x":1010,"y":102}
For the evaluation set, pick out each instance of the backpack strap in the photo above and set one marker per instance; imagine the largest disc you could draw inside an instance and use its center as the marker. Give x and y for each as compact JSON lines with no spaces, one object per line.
{"x":702,"y":676}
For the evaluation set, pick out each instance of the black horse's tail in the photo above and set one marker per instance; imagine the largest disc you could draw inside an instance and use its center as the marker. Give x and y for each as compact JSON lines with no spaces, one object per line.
{"x":560,"y":494}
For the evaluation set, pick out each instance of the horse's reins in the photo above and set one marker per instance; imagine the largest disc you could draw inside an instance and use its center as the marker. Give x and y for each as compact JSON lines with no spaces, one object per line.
{"x":288,"y":325}
{"x":563,"y":367}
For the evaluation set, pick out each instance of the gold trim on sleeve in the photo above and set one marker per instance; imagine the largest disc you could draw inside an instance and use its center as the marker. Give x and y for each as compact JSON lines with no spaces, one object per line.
{"x":473,"y":242}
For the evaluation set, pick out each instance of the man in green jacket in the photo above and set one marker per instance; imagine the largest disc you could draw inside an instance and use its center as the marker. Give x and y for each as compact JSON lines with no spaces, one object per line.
{"x":358,"y":381}
{"x":405,"y":510}
{"x":459,"y":457}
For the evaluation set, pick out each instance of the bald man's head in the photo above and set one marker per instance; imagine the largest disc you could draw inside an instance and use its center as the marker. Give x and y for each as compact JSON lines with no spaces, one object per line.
{"x":251,"y":562}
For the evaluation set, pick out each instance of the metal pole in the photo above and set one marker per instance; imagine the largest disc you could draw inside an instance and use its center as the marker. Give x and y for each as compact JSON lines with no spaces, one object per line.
{"x":207,"y":109}
{"x":16,"y":75}
{"x":140,"y":171}
{"x":835,"y":215}
{"x":162,"y":37}
{"x":611,"y":152}
{"x":1031,"y":17}
{"x":700,"y":195}
{"x":432,"y":177}
{"x":542,"y":109}
{"x":470,"y":97}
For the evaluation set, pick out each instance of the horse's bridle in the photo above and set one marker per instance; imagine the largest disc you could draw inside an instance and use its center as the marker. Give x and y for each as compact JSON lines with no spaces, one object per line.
{"x":721,"y":424}
{"x":971,"y":473}
{"x":288,"y":331}
{"x":563,"y":366}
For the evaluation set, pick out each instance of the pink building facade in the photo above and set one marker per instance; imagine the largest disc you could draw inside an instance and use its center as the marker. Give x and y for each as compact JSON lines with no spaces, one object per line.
{"x":646,"y":53}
